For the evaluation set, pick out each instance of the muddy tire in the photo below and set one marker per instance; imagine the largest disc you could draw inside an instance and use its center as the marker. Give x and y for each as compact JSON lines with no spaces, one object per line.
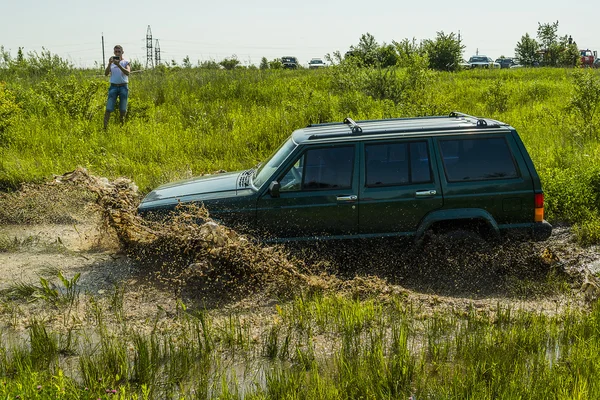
{"x":459,"y":240}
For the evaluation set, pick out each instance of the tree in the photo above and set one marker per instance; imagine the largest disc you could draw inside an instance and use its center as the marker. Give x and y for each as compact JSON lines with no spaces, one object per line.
{"x":275,"y":64}
{"x":547,"y":35}
{"x":264,"y":64}
{"x":334,"y":58}
{"x":366,"y":50}
{"x":230,"y":63}
{"x":407,"y":50}
{"x":387,"y":56}
{"x":209,"y":64}
{"x":136,"y":65}
{"x":569,"y":56}
{"x":445,"y":52}
{"x":186,"y":63}
{"x":527,"y":50}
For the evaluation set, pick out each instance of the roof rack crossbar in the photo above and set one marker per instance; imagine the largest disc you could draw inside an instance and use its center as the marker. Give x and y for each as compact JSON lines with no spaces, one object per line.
{"x":480,"y":121}
{"x":355,"y":127}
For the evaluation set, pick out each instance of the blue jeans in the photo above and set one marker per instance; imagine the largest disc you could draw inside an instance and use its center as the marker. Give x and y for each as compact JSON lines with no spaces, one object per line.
{"x":122,"y":92}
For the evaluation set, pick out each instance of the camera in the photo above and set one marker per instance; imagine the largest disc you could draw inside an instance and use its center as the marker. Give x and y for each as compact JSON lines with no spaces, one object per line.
{"x":116,"y":58}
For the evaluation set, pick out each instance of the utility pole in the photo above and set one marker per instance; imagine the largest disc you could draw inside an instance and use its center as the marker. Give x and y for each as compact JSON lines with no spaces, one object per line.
{"x":149,"y":61}
{"x":157,"y":54}
{"x":103,"y":59}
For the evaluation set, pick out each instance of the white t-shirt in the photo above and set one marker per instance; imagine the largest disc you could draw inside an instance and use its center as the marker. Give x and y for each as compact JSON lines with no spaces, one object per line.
{"x":116,"y":75}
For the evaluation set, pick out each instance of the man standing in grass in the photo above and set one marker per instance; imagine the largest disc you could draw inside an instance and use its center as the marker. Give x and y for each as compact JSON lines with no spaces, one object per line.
{"x":119,"y":70}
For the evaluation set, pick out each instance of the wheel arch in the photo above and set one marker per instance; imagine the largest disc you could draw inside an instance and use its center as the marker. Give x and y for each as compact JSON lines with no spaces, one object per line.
{"x":458,"y":218}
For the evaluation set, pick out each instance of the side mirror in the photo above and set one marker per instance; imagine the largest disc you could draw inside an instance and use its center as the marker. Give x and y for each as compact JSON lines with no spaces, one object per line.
{"x":274,"y":189}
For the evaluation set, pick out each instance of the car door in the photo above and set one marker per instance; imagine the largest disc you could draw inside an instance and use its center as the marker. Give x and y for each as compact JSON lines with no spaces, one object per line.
{"x":399,"y":186}
{"x":318,"y":196}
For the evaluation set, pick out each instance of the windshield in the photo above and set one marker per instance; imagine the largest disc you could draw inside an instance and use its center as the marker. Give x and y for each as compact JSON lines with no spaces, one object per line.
{"x":479,"y":59}
{"x":266,"y":169}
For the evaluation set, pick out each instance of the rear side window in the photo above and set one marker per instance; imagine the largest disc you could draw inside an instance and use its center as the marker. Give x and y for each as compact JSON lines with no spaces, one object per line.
{"x":477,"y":159}
{"x":391,"y":164}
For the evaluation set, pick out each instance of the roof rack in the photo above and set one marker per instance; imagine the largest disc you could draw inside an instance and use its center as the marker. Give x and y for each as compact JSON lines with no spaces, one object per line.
{"x":480,"y":121}
{"x":355,"y":127}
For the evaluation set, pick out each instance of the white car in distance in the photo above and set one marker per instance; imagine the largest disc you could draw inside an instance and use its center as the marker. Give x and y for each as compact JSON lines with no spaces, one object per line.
{"x":316,"y":63}
{"x":482,"y":62}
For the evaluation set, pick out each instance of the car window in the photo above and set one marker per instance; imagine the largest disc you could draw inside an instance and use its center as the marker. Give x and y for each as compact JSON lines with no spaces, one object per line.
{"x":477,"y":159}
{"x":320,"y":169}
{"x":390,"y":164}
{"x":478,"y":59}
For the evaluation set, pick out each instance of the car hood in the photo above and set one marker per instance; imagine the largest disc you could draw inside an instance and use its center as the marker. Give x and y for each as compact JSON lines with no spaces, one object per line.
{"x":201,"y":188}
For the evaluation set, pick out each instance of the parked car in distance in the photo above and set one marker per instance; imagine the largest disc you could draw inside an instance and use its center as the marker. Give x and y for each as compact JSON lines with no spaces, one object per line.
{"x":378,"y":178}
{"x":482,"y":62}
{"x":508,"y":63}
{"x":289,"y":62}
{"x":463,"y":64}
{"x":316,"y":63}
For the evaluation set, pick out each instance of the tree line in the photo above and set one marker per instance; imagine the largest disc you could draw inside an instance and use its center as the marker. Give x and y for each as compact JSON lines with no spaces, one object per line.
{"x":443,"y":53}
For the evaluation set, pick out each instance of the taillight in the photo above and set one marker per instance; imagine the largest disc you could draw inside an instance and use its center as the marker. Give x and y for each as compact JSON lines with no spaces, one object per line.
{"x":539,"y":207}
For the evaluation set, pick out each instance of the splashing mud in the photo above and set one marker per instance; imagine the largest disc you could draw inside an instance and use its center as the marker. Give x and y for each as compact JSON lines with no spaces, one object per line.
{"x":190,"y":251}
{"x":202,"y":261}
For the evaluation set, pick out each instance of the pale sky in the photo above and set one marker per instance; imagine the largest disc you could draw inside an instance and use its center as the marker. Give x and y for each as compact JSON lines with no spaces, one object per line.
{"x":213,"y":30}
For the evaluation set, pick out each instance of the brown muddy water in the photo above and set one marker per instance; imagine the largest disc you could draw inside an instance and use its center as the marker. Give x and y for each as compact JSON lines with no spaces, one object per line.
{"x":82,"y":224}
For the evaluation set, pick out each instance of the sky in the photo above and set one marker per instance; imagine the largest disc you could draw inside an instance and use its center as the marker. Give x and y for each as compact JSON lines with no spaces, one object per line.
{"x":213,"y":30}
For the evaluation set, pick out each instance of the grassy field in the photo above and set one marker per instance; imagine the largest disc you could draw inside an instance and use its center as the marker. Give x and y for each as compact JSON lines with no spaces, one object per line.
{"x":312,"y":344}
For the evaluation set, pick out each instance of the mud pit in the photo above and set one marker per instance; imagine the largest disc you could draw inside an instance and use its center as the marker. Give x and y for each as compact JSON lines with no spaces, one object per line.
{"x":81,"y":224}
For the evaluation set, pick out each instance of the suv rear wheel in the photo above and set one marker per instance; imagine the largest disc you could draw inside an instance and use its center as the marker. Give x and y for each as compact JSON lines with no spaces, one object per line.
{"x":455,"y":240}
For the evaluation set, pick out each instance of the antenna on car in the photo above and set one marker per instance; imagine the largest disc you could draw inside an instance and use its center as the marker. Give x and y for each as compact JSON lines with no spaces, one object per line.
{"x":355,"y":127}
{"x":480,"y":121}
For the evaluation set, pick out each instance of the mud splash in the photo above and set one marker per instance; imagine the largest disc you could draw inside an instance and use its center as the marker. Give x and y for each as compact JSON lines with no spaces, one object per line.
{"x":192,"y":253}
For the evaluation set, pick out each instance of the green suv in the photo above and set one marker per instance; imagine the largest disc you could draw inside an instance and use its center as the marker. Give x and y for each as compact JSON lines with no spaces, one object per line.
{"x":377,"y":178}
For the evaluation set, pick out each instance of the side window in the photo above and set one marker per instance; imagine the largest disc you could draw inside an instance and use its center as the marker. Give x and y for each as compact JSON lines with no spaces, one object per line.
{"x":477,"y":159}
{"x":390,"y":164}
{"x":321,"y":169}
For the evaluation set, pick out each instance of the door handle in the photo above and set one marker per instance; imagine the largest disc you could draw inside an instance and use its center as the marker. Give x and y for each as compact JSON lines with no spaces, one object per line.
{"x":426,"y":193}
{"x":347,"y":198}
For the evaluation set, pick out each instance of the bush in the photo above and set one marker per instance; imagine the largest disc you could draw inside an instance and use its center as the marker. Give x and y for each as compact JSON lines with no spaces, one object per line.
{"x":585,"y":102}
{"x":9,"y":109}
{"x":588,"y":232}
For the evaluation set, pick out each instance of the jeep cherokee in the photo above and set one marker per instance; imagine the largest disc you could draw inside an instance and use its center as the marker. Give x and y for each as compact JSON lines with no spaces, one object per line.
{"x":377,"y":178}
